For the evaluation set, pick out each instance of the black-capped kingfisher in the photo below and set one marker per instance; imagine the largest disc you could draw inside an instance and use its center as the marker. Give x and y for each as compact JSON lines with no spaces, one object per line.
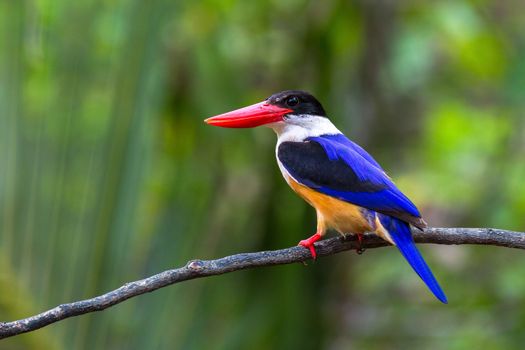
{"x":349,"y":190}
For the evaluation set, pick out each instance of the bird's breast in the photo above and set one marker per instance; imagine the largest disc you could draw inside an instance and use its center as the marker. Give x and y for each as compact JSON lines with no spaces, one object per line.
{"x":334,"y":213}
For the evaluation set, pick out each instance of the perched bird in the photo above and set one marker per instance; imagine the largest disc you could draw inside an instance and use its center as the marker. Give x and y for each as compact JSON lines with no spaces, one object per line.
{"x":349,"y":190}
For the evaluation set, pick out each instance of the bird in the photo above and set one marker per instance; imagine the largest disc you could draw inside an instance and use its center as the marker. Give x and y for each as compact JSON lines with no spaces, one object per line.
{"x":350,"y":192}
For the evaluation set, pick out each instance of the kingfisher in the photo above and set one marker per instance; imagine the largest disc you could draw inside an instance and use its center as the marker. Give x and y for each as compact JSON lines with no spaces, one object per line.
{"x":349,"y":190}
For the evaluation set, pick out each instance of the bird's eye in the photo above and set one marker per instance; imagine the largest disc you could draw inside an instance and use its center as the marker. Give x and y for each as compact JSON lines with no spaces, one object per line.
{"x":292,"y":101}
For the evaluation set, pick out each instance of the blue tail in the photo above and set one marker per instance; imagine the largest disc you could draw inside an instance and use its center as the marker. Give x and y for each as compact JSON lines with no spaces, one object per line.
{"x":402,"y":237}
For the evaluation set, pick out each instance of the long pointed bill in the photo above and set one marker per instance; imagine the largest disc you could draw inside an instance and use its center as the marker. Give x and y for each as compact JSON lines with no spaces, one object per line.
{"x":248,"y":117}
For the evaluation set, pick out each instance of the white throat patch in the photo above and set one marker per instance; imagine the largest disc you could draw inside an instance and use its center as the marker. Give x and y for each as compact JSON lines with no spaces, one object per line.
{"x":299,"y":127}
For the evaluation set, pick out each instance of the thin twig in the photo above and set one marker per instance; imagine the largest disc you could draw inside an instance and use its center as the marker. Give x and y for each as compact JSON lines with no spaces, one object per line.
{"x":203,"y":268}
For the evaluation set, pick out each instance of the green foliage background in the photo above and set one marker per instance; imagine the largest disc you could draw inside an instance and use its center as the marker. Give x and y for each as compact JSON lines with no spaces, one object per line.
{"x":108,"y":174}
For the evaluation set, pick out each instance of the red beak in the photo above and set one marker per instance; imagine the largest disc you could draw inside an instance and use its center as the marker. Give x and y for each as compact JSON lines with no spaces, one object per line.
{"x":248,"y":117}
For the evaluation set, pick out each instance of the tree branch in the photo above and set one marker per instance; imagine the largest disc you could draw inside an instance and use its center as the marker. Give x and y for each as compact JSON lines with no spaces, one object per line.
{"x":203,"y":268}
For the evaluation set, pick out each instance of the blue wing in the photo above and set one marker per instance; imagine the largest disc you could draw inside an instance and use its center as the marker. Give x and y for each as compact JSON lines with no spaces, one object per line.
{"x":344,"y":142}
{"x":334,"y":165}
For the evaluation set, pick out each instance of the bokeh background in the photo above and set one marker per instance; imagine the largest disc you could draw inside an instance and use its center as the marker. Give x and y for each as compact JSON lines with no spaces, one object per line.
{"x":108,"y":174}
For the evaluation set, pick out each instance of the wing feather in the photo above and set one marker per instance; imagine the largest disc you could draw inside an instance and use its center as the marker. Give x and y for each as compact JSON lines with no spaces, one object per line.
{"x":344,"y":170}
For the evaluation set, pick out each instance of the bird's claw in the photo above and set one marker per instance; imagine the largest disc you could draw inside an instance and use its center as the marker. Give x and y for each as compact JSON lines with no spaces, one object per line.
{"x":360,"y":250}
{"x":309,"y":244}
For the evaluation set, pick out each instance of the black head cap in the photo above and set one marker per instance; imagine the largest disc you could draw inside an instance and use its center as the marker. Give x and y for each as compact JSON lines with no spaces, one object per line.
{"x":301,"y":102}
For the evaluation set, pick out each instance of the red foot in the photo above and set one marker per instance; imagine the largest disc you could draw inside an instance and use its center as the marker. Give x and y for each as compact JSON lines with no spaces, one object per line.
{"x":360,"y":250}
{"x":309,"y":244}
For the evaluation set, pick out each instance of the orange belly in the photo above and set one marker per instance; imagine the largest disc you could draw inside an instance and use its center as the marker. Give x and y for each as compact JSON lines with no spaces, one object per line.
{"x":333,"y":213}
